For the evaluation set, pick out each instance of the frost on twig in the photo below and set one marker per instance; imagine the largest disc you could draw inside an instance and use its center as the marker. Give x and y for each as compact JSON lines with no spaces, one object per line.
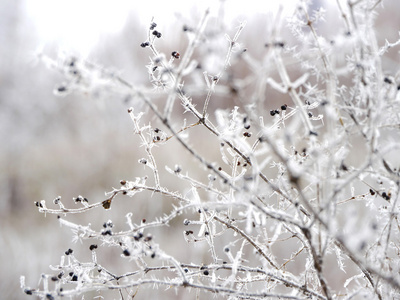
{"x":266,"y":198}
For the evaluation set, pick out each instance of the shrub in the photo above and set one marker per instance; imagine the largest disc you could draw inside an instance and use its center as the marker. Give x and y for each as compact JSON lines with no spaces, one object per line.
{"x":293,"y":197}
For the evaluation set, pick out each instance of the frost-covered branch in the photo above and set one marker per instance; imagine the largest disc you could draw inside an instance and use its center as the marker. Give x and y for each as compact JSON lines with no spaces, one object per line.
{"x":252,"y":196}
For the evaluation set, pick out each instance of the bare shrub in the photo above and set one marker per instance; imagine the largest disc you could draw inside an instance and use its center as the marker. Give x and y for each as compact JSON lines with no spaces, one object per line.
{"x":290,"y":197}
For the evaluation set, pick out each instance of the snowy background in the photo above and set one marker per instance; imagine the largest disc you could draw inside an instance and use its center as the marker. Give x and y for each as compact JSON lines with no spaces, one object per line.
{"x":75,"y":144}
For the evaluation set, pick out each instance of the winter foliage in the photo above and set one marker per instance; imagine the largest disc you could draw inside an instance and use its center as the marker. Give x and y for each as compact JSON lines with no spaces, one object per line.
{"x":274,"y":162}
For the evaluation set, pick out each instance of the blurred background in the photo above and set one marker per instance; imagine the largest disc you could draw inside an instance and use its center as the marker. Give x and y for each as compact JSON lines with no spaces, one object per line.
{"x":82,"y":145}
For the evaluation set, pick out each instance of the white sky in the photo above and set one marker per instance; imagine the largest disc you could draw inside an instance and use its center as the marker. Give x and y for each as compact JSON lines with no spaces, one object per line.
{"x":77,"y":24}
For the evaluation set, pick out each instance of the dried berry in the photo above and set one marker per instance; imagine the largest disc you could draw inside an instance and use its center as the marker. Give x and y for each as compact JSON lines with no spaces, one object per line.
{"x":106,"y":204}
{"x":247,"y":134}
{"x":28,"y":291}
{"x":143,"y":161}
{"x":138,"y":237}
{"x":388,"y":80}
{"x":176,"y":54}
{"x":386,"y":196}
{"x":177,"y":169}
{"x":153,"y":25}
{"x":107,"y":232}
{"x":61,"y":89}
{"x":156,"y":33}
